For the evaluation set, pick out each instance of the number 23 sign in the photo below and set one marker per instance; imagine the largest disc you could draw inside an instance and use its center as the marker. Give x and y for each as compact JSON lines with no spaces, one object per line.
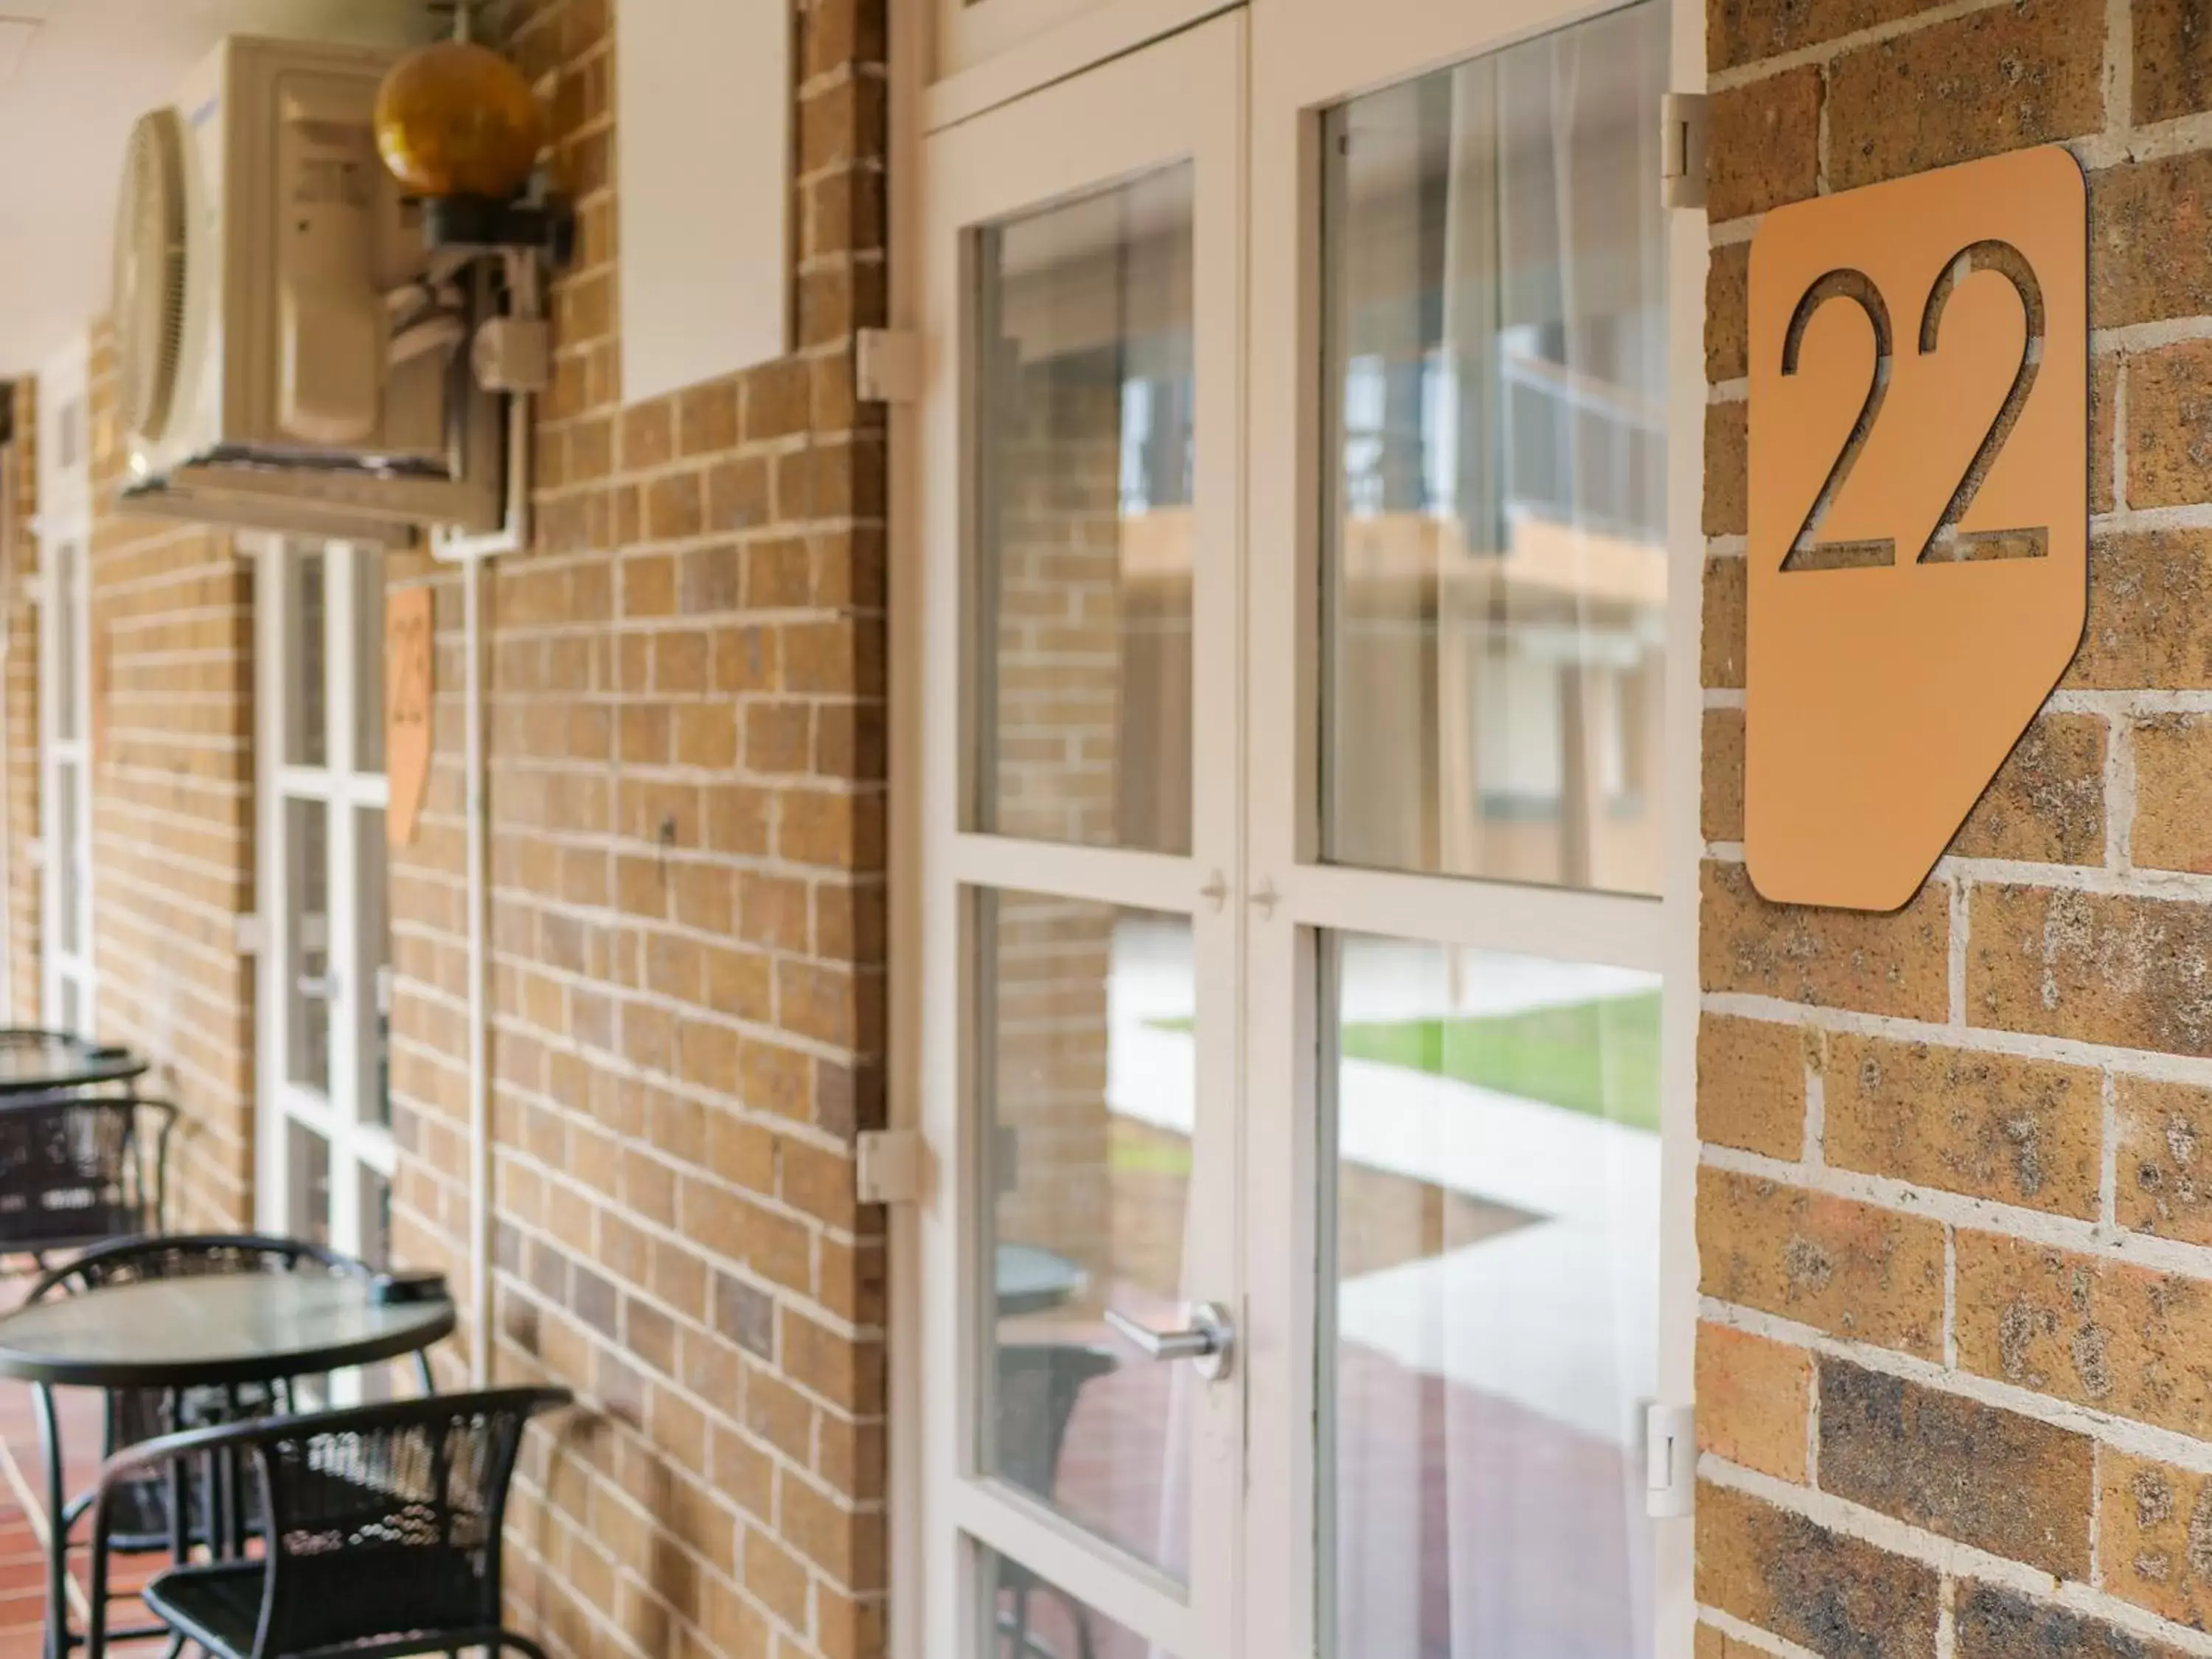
{"x":1918,"y":511}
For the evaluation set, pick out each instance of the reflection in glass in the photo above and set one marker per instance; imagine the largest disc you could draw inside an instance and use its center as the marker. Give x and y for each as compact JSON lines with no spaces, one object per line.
{"x":1089,"y":1090}
{"x":368,"y":660}
{"x":375,"y":1219}
{"x":1027,"y":1617}
{"x":307,"y":739}
{"x":308,"y":991}
{"x":1086,"y":389}
{"x":373,"y":966}
{"x":307,"y":1161}
{"x":68,"y":685}
{"x":1494,"y":540}
{"x":1492,"y":1341}
{"x":69,"y":899}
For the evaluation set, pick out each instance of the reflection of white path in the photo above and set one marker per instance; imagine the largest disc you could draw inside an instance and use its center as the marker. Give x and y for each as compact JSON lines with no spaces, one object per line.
{"x":1560,"y":1317}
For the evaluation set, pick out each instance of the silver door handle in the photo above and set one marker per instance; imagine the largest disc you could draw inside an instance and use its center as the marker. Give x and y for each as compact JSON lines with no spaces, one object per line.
{"x":318,"y":987}
{"x":1209,"y":1341}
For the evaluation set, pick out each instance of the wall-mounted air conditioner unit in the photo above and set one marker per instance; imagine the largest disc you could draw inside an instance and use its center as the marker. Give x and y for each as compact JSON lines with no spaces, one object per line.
{"x":284,"y":360}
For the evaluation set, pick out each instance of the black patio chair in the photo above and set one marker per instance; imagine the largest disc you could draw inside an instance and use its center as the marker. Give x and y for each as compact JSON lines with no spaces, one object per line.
{"x":1039,"y":1383}
{"x":170,"y":1512}
{"x":383,"y":1535}
{"x":80,"y":1170}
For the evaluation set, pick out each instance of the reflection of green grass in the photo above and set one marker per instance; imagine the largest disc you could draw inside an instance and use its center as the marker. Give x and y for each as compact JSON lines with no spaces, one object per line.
{"x":1149,"y":1151}
{"x":1601,"y":1058}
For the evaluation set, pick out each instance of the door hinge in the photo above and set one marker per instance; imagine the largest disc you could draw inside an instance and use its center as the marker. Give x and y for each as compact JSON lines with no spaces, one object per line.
{"x":1682,"y":148}
{"x":888,"y":1166}
{"x":1670,"y":1459}
{"x":887,"y":366}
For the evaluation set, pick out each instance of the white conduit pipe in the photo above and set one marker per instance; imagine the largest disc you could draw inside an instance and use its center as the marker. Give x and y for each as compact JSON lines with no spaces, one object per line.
{"x":478,"y":835}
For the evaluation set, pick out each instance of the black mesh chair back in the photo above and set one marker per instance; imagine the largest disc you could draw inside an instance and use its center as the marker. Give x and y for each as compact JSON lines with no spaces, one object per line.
{"x":383,"y":1532}
{"x":1038,"y":1384}
{"x":77,"y":1170}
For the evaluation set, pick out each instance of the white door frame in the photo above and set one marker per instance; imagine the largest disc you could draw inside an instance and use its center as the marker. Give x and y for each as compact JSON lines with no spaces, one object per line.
{"x":1060,"y":143}
{"x":65,"y":530}
{"x":356,"y":1142}
{"x":1304,"y":57}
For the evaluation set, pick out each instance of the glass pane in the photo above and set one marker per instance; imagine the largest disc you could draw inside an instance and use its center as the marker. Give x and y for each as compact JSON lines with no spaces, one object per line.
{"x":1494,"y":537}
{"x":71,"y":1011}
{"x":306,"y":741}
{"x":307,"y":1202}
{"x":368,"y":659}
{"x":1083,"y":490}
{"x":1493,"y":1243}
{"x":1025,"y":1617}
{"x":68,"y":680}
{"x":307,"y":857}
{"x":375,"y":1219}
{"x":373,"y":967}
{"x":68,"y":831}
{"x":1089,"y":1089}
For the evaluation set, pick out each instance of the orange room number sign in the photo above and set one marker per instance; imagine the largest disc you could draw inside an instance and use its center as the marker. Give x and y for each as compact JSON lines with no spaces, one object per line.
{"x":1919,"y":522}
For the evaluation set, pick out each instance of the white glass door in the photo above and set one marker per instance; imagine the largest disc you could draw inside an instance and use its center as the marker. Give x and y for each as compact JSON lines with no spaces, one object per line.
{"x":1085,"y":1405}
{"x":326,"y":1106}
{"x":66,"y":749}
{"x":1473,"y":710}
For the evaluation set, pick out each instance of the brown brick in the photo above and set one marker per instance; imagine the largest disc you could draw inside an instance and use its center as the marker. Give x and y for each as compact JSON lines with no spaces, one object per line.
{"x":2000,"y":1624}
{"x":1992,"y":1478}
{"x":2173,"y":59}
{"x":2165,"y":205}
{"x":1849,"y":1269}
{"x":1818,"y":1589}
{"x":1727,"y":312}
{"x":1721,"y":645}
{"x":1739,"y":32}
{"x":1751,"y":1084}
{"x":2097,"y":967}
{"x":707,"y":418}
{"x":1764,"y":144}
{"x":2164,"y":1159}
{"x":2046,"y":803}
{"x":2155,"y":1541}
{"x":1754,"y":1398}
{"x":648,"y":434}
{"x":1895,"y":963}
{"x":2150,"y":613}
{"x":2169,"y":411}
{"x":1728,"y":479}
{"x":1992,"y":81}
{"x":2023,"y":1132}
{"x":2172,"y":828}
{"x":2086,"y":1328}
{"x":1720,"y":816}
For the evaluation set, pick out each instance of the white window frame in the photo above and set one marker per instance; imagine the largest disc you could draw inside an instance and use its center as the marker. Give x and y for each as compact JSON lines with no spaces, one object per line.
{"x":64,"y":520}
{"x":1306,"y":56}
{"x":354,"y":1143}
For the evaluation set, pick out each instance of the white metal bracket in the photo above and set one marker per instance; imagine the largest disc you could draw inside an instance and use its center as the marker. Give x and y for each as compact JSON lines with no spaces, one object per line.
{"x":888,"y":1166}
{"x":1682,"y":148}
{"x":252,"y":937}
{"x":887,"y":366}
{"x":1670,"y":1459}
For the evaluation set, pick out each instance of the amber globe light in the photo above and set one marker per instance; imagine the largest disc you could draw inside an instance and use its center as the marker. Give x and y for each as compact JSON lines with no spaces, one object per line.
{"x":459,"y":119}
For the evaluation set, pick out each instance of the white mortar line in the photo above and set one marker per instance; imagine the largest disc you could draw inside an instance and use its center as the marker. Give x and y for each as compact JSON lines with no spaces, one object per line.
{"x":1727,"y":547}
{"x":1729,"y":392}
{"x":2119,"y":67}
{"x":2119,"y":705}
{"x":1751,"y":1636}
{"x":2096,"y":1515}
{"x":1947,"y":1555}
{"x":1731,"y":696}
{"x":1950,"y":1298}
{"x":1816,"y":1118}
{"x":2194,"y":516}
{"x":2120,"y":792}
{"x":1947,"y":1619}
{"x":2124,"y":1434}
{"x":2144,"y":1250}
{"x":1955,"y":953}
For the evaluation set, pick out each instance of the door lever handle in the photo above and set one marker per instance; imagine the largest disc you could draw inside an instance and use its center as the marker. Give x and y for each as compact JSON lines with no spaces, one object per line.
{"x":1209,"y":1341}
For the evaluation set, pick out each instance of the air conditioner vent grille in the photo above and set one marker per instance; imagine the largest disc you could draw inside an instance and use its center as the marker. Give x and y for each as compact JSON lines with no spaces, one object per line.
{"x":149,"y":273}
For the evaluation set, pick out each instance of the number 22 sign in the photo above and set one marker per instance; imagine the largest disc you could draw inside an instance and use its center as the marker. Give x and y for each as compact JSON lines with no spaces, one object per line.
{"x":1918,"y":513}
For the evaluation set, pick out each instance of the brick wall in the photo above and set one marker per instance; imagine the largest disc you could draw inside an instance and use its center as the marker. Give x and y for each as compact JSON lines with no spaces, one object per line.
{"x":172,"y":843}
{"x":685,"y":731}
{"x":1955,"y":1363}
